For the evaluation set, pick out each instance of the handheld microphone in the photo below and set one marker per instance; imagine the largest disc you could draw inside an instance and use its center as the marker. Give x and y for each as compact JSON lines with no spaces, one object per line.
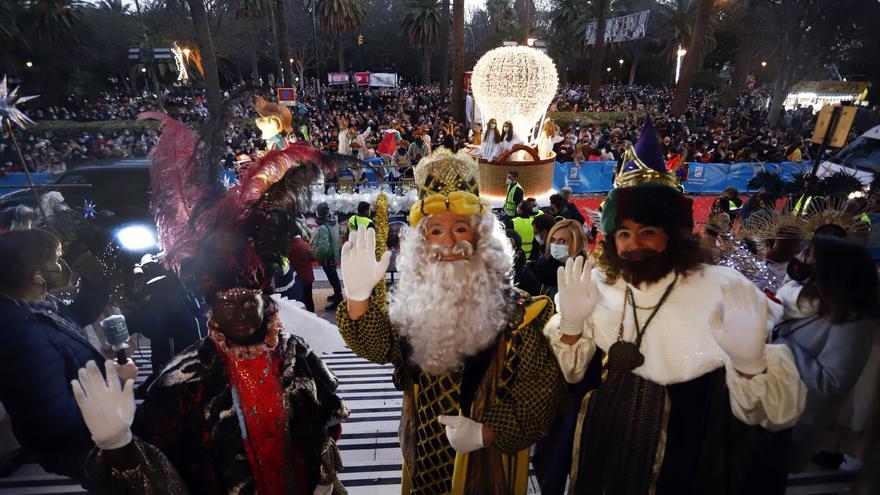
{"x":116,"y":332}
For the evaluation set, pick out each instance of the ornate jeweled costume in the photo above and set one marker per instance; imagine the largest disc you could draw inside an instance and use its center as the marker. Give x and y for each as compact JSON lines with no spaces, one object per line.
{"x":667,"y":411}
{"x":511,"y":385}
{"x":249,"y":409}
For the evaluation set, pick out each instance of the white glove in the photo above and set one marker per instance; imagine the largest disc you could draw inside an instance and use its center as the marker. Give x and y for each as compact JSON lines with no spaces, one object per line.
{"x":323,"y":490}
{"x":739,"y":325}
{"x":464,"y":434}
{"x":107,"y":410}
{"x":360,"y":270}
{"x":577,"y":295}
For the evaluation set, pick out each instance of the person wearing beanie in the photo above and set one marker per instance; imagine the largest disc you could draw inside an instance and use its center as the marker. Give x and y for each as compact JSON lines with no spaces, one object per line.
{"x":685,"y":395}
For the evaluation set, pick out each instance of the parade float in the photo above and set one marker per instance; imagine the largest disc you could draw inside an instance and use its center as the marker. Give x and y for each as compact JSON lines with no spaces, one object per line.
{"x":513,"y":88}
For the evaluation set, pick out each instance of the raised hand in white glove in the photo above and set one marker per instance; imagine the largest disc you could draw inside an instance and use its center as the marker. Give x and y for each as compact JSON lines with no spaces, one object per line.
{"x":577,"y":295}
{"x":739,"y":325}
{"x":464,"y":434}
{"x":360,"y":270}
{"x":107,"y":409}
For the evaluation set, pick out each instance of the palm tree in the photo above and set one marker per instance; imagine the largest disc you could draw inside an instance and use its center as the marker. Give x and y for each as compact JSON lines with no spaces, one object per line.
{"x":456,"y":104}
{"x":571,"y":17}
{"x":444,"y":47}
{"x":283,"y":40}
{"x":52,"y":21}
{"x":693,"y":60}
{"x":115,"y":6}
{"x":338,"y":17}
{"x":598,"y":55}
{"x":679,"y":18}
{"x":421,"y":22}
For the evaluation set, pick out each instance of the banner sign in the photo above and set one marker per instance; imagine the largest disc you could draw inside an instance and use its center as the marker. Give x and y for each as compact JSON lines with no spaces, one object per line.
{"x":624,"y":28}
{"x":286,"y":96}
{"x":337,"y":77}
{"x":597,"y":177}
{"x":383,"y":80}
{"x":362,"y":78}
{"x":586,"y":177}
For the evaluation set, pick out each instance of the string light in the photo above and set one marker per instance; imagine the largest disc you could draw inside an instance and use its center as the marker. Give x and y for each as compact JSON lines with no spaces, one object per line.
{"x":516,"y":84}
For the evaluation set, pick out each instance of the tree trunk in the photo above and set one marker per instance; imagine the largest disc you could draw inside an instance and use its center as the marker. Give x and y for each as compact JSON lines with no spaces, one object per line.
{"x":744,"y":60}
{"x":444,"y":48}
{"x":426,"y":64}
{"x":632,"y":70}
{"x":693,"y":60}
{"x":598,"y":55}
{"x":275,"y":48}
{"x":213,"y":97}
{"x":340,"y":52}
{"x":525,"y":18}
{"x":255,"y":65}
{"x":283,"y":42}
{"x":456,"y":104}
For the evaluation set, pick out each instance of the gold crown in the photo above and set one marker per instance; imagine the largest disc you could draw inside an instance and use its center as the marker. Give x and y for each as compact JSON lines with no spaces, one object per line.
{"x":643,"y":174}
{"x":444,"y":172}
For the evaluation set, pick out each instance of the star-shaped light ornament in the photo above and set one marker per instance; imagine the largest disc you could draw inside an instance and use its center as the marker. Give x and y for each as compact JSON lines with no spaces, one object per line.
{"x":89,"y":210}
{"x":8,"y":101}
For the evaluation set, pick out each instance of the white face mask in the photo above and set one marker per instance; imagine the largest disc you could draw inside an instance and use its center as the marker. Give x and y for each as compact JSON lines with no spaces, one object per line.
{"x":538,"y":238}
{"x":506,"y":128}
{"x":559,"y":251}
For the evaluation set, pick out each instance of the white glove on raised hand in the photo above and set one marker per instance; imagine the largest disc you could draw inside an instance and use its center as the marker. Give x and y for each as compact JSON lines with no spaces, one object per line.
{"x":464,"y":434}
{"x":107,"y":410}
{"x":739,"y":325}
{"x":360,"y":270}
{"x":577,"y":295}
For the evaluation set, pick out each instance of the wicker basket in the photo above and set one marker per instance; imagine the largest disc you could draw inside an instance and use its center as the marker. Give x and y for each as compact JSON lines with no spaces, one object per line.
{"x":535,"y":176}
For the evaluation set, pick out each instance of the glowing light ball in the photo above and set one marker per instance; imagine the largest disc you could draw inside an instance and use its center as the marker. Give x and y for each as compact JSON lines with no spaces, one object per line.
{"x":516,"y":84}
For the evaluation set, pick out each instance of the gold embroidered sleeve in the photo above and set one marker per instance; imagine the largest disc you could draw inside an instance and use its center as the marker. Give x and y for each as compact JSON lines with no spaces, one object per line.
{"x":151,"y":473}
{"x":371,"y":336}
{"x":525,"y":413}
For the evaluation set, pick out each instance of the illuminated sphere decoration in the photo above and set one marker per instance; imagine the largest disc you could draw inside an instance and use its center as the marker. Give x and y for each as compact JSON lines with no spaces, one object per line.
{"x":516,"y":84}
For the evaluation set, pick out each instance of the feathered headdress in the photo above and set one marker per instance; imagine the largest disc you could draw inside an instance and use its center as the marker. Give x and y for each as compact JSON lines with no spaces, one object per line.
{"x":235,"y":238}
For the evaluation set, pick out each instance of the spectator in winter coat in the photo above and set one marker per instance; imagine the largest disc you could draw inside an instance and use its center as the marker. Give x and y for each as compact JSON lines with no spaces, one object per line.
{"x":44,"y":346}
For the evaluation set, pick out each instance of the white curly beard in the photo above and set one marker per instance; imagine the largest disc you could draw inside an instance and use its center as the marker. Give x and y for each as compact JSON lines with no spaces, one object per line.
{"x":450,"y":310}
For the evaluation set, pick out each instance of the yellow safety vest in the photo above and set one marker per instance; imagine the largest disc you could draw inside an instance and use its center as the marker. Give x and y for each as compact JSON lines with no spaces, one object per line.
{"x":357,"y":220}
{"x":510,"y":205}
{"x":526,"y":231}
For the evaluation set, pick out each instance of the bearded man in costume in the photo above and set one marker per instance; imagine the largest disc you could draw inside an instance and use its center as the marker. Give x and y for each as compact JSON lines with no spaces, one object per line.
{"x":479,"y":379}
{"x":690,"y":394}
{"x":249,"y":409}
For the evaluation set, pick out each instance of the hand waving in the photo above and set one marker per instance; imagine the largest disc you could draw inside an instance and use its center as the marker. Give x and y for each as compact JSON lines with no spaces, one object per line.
{"x":107,"y":410}
{"x":577,"y":295}
{"x":360,"y":270}
{"x":739,"y":325}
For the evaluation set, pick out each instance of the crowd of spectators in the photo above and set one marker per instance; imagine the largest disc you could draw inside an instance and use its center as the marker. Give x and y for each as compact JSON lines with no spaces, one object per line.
{"x":707,"y":132}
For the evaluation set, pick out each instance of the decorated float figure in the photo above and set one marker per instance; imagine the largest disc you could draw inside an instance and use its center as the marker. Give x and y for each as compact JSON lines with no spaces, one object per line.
{"x":687,"y":397}
{"x":479,"y":380}
{"x":250,"y":408}
{"x":274,"y":122}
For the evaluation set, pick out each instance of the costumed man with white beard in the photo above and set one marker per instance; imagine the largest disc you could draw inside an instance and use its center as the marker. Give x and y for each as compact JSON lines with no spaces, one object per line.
{"x":692,"y":399}
{"x":479,"y":380}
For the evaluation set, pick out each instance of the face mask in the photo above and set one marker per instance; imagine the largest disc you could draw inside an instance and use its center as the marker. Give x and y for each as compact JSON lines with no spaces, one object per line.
{"x":506,"y":128}
{"x":538,"y":238}
{"x":535,"y":209}
{"x":798,"y":270}
{"x":509,"y":182}
{"x":559,"y":252}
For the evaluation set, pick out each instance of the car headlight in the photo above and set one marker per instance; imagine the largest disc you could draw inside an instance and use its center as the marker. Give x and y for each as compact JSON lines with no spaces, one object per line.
{"x":137,"y":238}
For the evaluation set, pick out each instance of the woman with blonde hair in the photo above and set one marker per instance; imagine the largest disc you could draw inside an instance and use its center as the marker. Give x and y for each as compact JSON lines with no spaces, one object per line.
{"x":565,"y":240}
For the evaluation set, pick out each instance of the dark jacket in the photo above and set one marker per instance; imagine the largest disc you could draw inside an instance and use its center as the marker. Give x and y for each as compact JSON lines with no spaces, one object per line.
{"x":43,"y":348}
{"x":544,"y":271}
{"x":571,"y":212}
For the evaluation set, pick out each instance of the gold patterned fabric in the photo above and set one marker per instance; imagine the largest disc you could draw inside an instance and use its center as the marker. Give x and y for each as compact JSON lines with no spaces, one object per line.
{"x":517,"y":398}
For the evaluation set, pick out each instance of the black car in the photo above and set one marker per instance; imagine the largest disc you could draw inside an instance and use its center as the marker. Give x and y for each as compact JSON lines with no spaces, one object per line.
{"x":122,"y":187}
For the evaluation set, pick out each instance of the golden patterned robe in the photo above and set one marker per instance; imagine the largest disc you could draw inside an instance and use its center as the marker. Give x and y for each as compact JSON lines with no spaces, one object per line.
{"x":517,"y":399}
